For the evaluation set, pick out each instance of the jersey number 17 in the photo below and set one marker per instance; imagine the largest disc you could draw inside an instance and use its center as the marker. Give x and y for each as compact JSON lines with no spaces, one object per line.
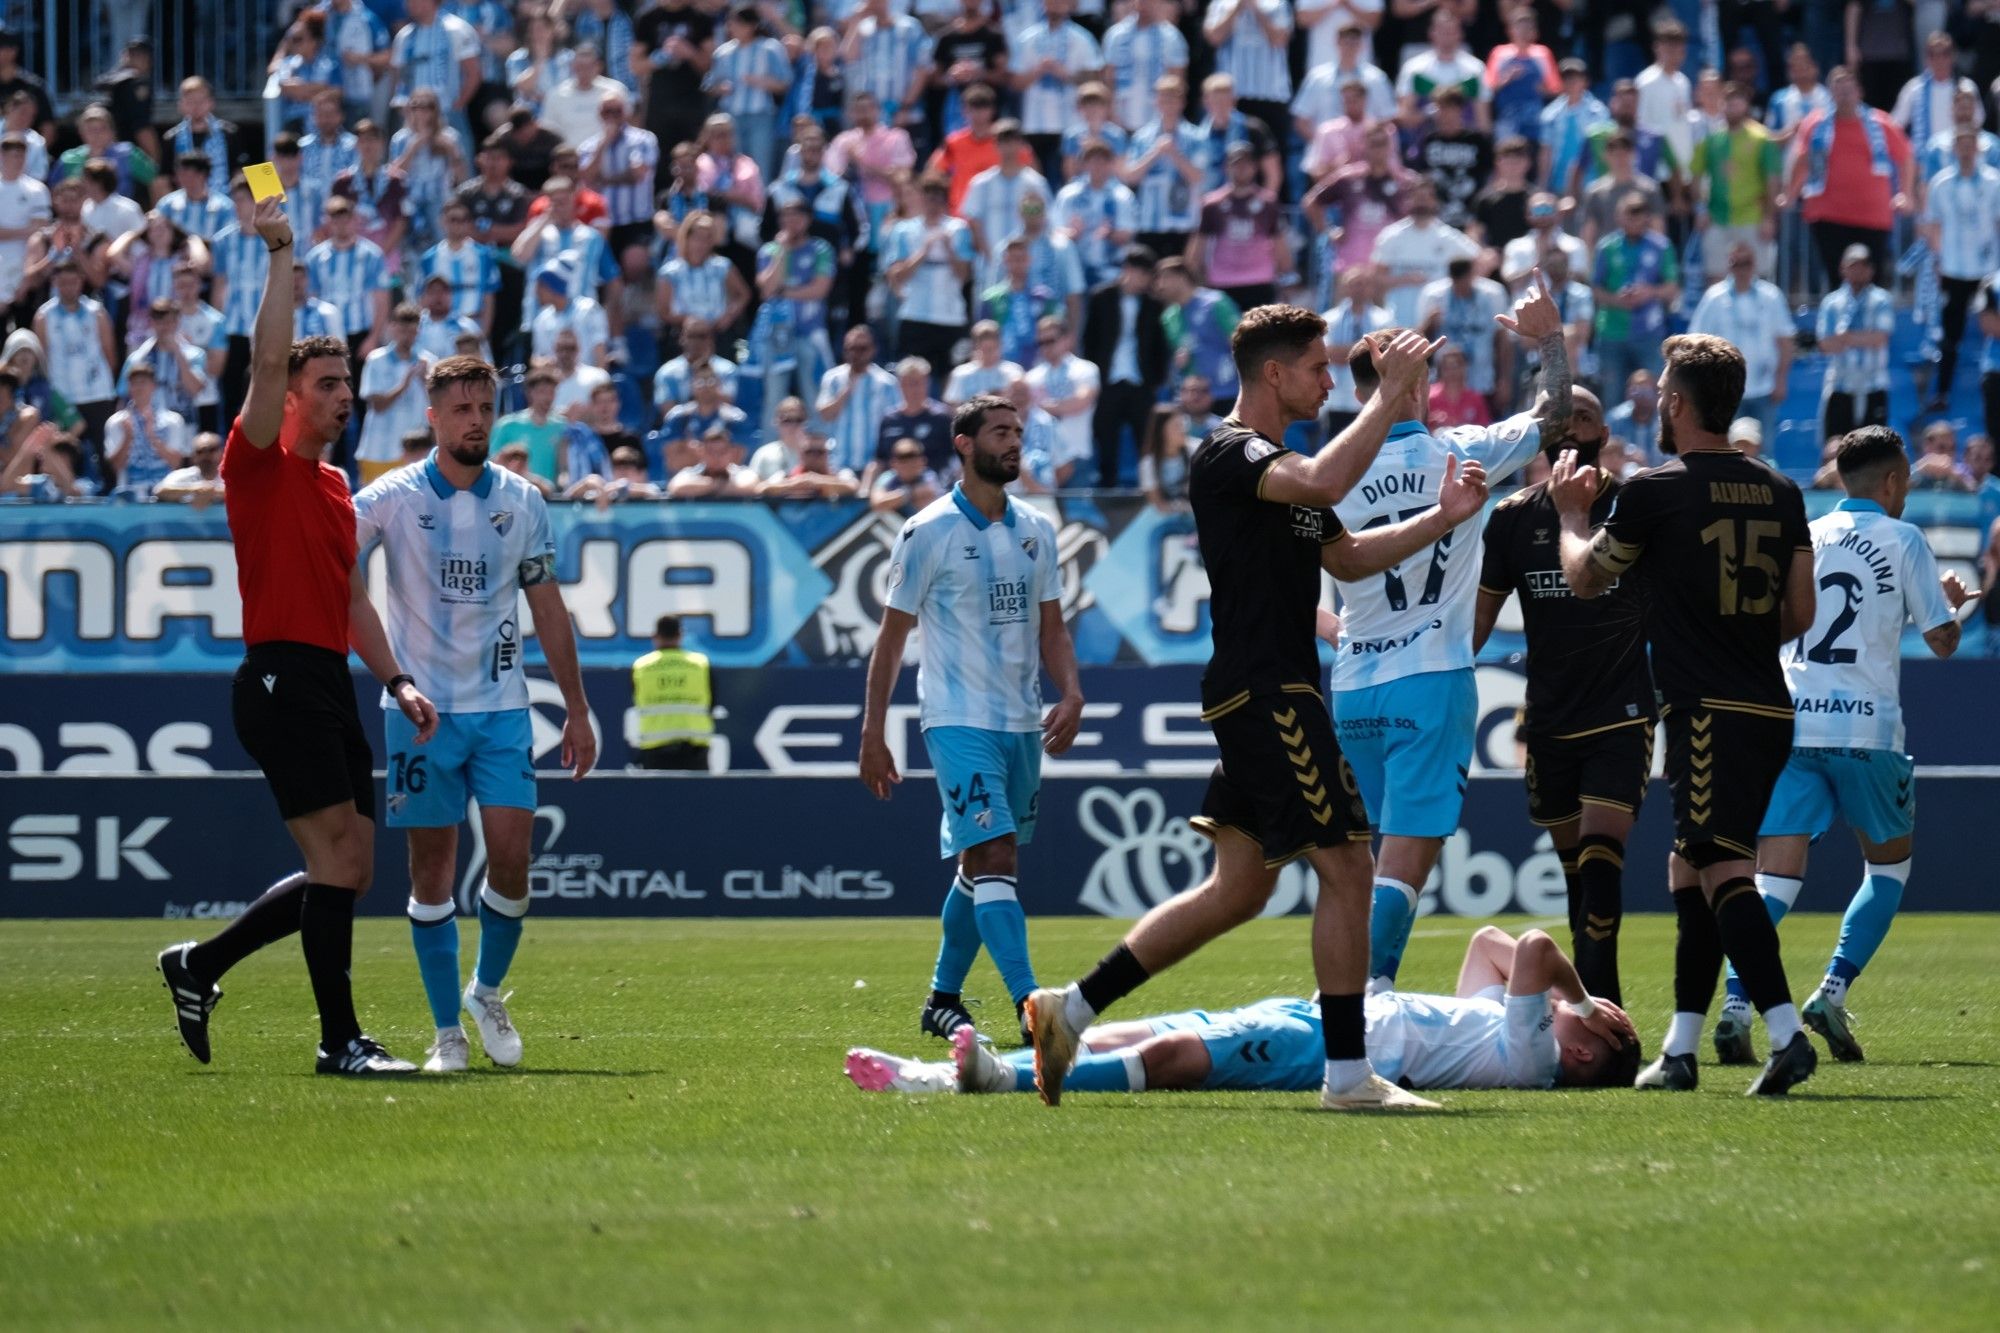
{"x":1392,"y":579}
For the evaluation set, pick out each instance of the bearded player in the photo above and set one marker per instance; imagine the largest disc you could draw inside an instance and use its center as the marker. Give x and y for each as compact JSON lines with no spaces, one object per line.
{"x":980,"y":572}
{"x":1590,"y":713}
{"x":464,"y":542}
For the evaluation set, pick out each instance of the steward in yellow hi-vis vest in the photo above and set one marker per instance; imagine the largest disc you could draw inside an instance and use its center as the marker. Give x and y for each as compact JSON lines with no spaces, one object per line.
{"x":671,"y":690}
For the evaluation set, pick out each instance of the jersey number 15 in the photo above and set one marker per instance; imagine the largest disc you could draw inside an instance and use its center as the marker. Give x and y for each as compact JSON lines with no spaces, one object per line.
{"x":1741,"y":546}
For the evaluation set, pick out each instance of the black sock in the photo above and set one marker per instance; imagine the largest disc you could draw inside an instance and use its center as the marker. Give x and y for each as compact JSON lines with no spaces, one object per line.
{"x":945,"y":999}
{"x":1744,"y":926}
{"x":1697,"y":952}
{"x":1116,"y":975}
{"x":1601,"y":878}
{"x":271,"y":918}
{"x":1344,"y":1026}
{"x":326,"y":931}
{"x":1573,"y":889}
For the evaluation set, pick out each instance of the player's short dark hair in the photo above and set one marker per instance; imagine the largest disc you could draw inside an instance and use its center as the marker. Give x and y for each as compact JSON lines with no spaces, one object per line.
{"x":1273,"y":333}
{"x":1361,"y":359}
{"x":197,"y":160}
{"x":1616,"y":1070}
{"x":313,"y":348}
{"x":970,"y":418}
{"x":1866,"y":453}
{"x":541,"y":374}
{"x":1709,"y":371}
{"x":667,"y":627}
{"x":461,"y":370}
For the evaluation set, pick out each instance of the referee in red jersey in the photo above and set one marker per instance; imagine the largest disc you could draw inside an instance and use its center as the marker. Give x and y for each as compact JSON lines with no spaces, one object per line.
{"x":304,"y":605}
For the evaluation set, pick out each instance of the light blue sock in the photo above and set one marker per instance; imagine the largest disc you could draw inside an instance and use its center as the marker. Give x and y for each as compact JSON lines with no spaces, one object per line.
{"x":1868,"y":918}
{"x":1111,"y":1071}
{"x":1779,"y":892}
{"x":1389,"y":922}
{"x":500,"y":922}
{"x":434,"y":935}
{"x":1003,"y":927}
{"x":958,"y":944}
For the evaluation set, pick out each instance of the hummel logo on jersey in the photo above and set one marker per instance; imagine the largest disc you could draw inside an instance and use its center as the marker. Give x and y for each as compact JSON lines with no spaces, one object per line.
{"x":971,"y":552}
{"x":1541,"y":536}
{"x":270,"y":684}
{"x":501,"y":520}
{"x":426,"y":522}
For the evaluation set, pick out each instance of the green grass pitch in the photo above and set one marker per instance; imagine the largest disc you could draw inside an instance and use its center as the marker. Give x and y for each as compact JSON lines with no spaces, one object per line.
{"x":681,"y":1150}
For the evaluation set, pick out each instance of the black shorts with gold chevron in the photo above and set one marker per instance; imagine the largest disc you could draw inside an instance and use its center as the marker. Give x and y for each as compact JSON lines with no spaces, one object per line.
{"x":1723,"y":762}
{"x":1282,"y":781}
{"x":1609,"y":766}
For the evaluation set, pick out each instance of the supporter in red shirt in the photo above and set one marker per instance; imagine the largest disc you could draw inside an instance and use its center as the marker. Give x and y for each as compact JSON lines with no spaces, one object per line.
{"x":967,"y":152}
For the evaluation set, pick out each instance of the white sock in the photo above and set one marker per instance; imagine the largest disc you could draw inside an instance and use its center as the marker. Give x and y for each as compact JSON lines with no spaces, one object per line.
{"x":482,"y":990}
{"x":453,"y":1031}
{"x":1684,"y":1034}
{"x":1834,"y":988}
{"x":1784,"y":888}
{"x":1346,"y":1075}
{"x":1076,"y":1009}
{"x":1135,"y":1068}
{"x":1782,"y":1022}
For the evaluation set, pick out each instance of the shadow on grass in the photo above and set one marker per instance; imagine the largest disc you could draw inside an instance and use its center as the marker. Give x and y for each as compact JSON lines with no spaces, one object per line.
{"x":492,"y":1072}
{"x":1451,"y":1110}
{"x":1805,"y":1096}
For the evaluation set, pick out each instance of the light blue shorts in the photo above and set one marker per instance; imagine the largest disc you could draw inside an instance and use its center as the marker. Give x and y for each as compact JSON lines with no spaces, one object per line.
{"x":487,"y":756}
{"x":1872,"y":790}
{"x":1409,"y":742}
{"x":989,"y":781}
{"x":1271,"y":1046}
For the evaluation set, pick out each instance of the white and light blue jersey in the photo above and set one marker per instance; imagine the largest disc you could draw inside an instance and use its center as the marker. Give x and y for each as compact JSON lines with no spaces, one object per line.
{"x":625,"y":202}
{"x":1789,"y":106}
{"x":1939,"y":155}
{"x":734,"y":63}
{"x":320,"y":160}
{"x":487,"y":19}
{"x":673,"y":383}
{"x":349,"y":277}
{"x":472,"y":270}
{"x":976,"y":587}
{"x":1487,"y":1040}
{"x":356,"y":33}
{"x":1966,"y":211}
{"x":888,"y":59}
{"x":934,"y":293}
{"x":1466,"y":322}
{"x":457,"y":562}
{"x":383,"y":430}
{"x":1416,"y":617}
{"x":1857,"y":369}
{"x":1262,"y":69}
{"x":583,"y":254}
{"x":700,"y":291}
{"x":1139,"y":55}
{"x":612,"y":35}
{"x":77,"y":366}
{"x":204,"y":217}
{"x":1166,"y":200}
{"x":314,"y":318}
{"x":438,"y":338}
{"x":854,"y":431}
{"x":972,"y":379}
{"x":1100,"y":212}
{"x":993,"y":200}
{"x":243,"y":259}
{"x":1049,"y":104}
{"x":431,"y":55}
{"x":1874,"y":573}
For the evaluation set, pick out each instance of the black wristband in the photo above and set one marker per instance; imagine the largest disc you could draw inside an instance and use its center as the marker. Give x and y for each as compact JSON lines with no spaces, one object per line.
{"x":399,"y":679}
{"x":275,"y":248}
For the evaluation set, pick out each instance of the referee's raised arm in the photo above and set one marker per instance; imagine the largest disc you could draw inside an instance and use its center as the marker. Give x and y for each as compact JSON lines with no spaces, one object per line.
{"x":271,"y":337}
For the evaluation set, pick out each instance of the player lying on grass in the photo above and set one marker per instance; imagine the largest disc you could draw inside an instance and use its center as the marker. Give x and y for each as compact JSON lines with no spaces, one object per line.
{"x":1519,"y":1019}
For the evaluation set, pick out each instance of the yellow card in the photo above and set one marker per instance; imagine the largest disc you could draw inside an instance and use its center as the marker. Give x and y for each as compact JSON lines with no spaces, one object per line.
{"x":263,"y":181}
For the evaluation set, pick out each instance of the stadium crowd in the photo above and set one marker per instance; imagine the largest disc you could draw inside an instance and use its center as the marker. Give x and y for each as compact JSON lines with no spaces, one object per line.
{"x":764,"y":250}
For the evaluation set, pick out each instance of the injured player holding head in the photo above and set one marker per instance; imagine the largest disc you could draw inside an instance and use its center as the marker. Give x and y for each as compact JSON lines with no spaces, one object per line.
{"x":1519,"y":1019}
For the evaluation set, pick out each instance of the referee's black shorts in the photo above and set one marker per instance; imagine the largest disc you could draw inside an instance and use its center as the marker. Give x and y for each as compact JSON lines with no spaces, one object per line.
{"x":1282,"y":781}
{"x":293,"y":706}
{"x":1723,"y":762}
{"x":1607,"y":767}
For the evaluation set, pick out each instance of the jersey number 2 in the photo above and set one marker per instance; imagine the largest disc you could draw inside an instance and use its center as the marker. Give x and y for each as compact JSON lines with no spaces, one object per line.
{"x":1738,"y":553}
{"x":1392,"y":581}
{"x":1824,"y":652}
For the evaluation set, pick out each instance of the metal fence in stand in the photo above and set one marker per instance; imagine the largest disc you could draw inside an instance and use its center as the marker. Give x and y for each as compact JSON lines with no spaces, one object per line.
{"x":227,"y":42}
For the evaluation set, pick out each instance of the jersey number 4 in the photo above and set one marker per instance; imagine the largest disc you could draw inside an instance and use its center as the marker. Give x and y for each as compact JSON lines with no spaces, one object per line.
{"x":1392,"y":579}
{"x":1741,"y":546}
